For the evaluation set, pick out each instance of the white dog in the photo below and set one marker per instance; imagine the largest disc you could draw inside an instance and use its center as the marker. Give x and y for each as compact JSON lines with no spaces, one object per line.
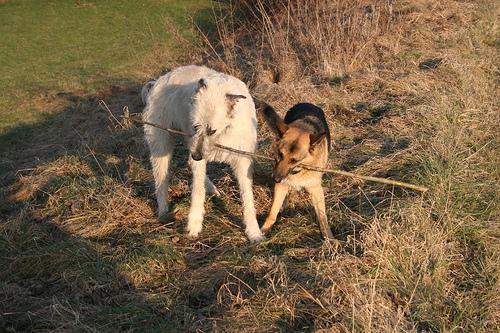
{"x":216,"y":108}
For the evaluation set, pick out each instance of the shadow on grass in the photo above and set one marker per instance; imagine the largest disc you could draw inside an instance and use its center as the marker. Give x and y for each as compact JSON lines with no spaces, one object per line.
{"x":58,"y":273}
{"x":70,"y":268}
{"x":72,"y":265}
{"x":55,"y":280}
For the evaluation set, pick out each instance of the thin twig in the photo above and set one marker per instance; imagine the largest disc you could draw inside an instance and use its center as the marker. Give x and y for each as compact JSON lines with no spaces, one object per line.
{"x":170,"y":130}
{"x":105,"y":107}
{"x":314,"y":299}
{"x":333,"y":171}
{"x":90,"y":151}
{"x":305,"y":166}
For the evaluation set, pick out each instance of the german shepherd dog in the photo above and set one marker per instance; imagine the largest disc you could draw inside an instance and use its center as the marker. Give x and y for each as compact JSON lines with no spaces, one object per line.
{"x":303,"y":137}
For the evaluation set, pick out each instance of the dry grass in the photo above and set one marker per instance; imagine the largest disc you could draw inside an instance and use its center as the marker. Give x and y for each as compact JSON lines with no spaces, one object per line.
{"x":84,"y":252}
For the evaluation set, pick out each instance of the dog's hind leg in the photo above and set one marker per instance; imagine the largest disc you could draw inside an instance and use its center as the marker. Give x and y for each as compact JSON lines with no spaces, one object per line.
{"x":211,"y":189}
{"x":197,"y":210}
{"x":161,"y":146}
{"x":280,"y":194}
{"x":318,"y":201}
{"x":242,"y":169}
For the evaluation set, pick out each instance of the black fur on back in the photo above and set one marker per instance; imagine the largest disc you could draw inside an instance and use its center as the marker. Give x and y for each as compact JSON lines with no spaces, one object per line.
{"x":311,"y":115}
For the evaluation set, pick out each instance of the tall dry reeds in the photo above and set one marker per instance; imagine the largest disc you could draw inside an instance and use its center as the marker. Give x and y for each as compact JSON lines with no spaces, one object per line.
{"x":325,"y":40}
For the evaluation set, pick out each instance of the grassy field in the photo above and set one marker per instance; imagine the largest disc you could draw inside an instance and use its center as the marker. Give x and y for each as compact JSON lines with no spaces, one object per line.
{"x":410,"y":91}
{"x":52,"y":46}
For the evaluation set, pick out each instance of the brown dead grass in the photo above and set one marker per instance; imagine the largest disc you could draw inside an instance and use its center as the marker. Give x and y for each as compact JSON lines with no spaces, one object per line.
{"x":389,"y":116}
{"x":84,"y":251}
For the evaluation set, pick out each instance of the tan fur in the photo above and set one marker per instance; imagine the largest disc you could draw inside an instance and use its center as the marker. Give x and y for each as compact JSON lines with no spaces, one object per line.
{"x":293,"y":148}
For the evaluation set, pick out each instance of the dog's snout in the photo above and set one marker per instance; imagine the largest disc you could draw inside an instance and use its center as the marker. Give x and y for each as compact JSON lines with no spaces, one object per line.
{"x":199,"y":148}
{"x":280,"y":172}
{"x":196,"y":156}
{"x":278,"y":179}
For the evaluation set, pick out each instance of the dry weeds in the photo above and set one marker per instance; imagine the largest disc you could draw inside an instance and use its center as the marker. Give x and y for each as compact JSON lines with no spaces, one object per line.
{"x":83,"y":250}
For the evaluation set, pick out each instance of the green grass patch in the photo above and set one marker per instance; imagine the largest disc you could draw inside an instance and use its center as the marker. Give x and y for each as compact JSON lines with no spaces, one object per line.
{"x":53,"y":46}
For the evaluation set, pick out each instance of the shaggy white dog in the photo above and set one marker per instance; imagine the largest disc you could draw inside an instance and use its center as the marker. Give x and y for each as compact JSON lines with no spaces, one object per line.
{"x":216,"y":108}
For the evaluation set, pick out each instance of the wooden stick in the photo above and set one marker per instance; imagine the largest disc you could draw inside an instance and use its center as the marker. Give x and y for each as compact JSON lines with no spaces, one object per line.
{"x":305,"y":166}
{"x":334,"y":171}
{"x":162,"y":128}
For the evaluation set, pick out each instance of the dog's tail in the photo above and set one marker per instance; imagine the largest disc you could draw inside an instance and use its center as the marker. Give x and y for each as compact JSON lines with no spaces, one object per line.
{"x":145,"y":91}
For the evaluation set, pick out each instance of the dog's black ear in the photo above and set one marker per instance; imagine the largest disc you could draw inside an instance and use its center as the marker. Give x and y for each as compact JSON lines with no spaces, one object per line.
{"x":202,"y":84}
{"x":234,"y":98}
{"x":314,"y":139}
{"x":231,"y":100}
{"x":274,"y":121}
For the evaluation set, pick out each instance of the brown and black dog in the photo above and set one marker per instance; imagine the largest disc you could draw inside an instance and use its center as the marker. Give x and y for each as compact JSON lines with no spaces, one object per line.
{"x":303,"y":137}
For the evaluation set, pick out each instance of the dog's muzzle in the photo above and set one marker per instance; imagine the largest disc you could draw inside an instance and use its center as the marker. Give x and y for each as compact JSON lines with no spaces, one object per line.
{"x":197,"y":152}
{"x":277,"y":179}
{"x":196,"y":156}
{"x":280,"y":178}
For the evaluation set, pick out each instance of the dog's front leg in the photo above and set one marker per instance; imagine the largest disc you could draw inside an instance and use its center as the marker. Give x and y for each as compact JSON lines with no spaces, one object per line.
{"x":244,"y":174}
{"x":280,"y":193}
{"x":197,"y":210}
{"x":318,"y":201}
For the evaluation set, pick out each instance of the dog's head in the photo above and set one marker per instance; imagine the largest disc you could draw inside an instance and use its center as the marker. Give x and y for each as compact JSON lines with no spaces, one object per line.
{"x":293,"y":145}
{"x":214,"y":102}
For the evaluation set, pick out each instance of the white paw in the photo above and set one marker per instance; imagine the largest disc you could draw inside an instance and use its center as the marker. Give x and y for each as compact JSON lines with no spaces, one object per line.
{"x":255,"y":236}
{"x":193,"y":232}
{"x":194,"y":226}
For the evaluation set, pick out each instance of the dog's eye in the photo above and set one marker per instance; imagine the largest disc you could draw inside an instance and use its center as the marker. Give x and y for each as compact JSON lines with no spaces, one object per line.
{"x":280,"y":155}
{"x":196,"y":127}
{"x":210,"y":131}
{"x":293,"y":160}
